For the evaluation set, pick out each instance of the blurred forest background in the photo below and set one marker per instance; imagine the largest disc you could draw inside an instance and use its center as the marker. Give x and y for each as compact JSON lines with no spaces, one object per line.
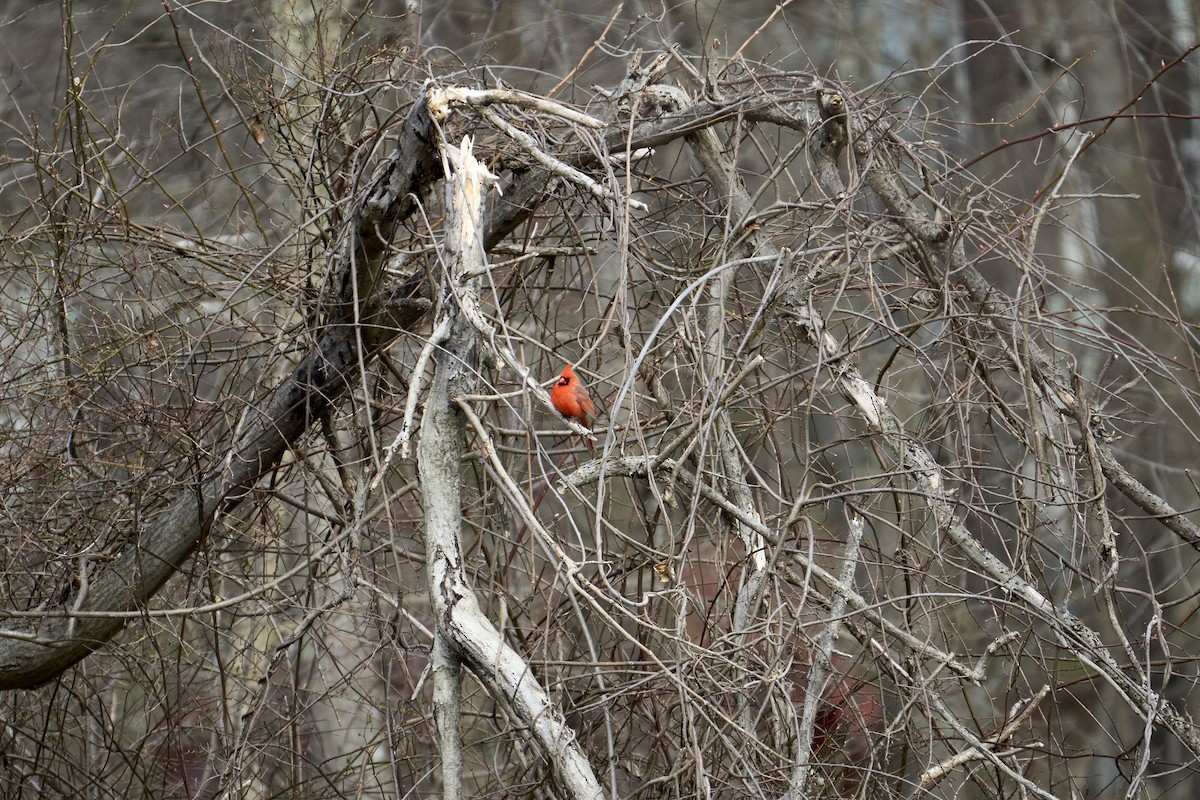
{"x":893,"y":495}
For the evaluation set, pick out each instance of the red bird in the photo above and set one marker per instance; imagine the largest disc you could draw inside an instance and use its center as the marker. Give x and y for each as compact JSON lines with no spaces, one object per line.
{"x":572,"y":401}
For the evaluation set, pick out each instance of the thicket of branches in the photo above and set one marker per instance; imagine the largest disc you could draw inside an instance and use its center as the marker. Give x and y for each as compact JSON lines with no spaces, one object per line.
{"x":870,"y":512}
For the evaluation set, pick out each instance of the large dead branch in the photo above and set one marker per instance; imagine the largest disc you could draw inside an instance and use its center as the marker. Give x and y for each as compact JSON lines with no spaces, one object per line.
{"x":363,"y":317}
{"x":464,"y":635}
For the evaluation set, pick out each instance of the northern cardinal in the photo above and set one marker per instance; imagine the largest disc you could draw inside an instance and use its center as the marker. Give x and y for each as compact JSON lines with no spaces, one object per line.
{"x":572,"y":400}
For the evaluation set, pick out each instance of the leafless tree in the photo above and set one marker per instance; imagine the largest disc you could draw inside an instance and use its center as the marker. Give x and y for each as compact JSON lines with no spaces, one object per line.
{"x":870,"y":512}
